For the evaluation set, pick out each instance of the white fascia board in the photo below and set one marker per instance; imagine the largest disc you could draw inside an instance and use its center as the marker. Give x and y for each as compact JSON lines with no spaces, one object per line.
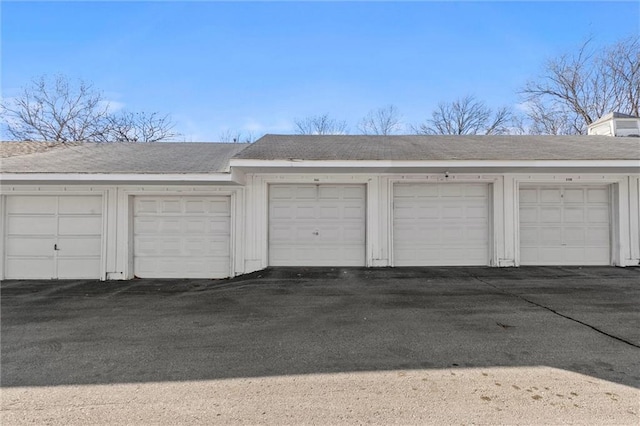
{"x":433,"y":164}
{"x":128,"y":177}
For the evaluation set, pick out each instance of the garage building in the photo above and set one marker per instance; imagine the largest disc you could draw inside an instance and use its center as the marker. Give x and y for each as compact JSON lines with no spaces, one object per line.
{"x":212,"y":210}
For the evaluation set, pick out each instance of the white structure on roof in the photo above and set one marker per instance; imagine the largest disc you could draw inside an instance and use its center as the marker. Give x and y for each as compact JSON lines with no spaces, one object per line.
{"x":119,"y":211}
{"x":616,"y":124}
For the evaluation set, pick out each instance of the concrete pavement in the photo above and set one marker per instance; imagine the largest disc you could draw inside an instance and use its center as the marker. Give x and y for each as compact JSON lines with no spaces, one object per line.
{"x":327,"y":345}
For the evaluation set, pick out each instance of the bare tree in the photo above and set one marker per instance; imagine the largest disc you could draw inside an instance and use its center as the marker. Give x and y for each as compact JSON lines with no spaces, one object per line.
{"x":580,"y":87}
{"x":236,"y":137}
{"x":58,"y":109}
{"x":542,"y":119}
{"x":139,"y":127}
{"x":320,"y":125}
{"x":381,"y":121}
{"x":465,"y":116}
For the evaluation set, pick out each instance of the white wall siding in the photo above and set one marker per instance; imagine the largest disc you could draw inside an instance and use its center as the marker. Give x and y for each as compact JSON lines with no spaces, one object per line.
{"x":249,"y":205}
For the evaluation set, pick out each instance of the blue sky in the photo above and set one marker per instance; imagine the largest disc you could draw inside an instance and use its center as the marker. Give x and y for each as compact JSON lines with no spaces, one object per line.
{"x":257,"y":66}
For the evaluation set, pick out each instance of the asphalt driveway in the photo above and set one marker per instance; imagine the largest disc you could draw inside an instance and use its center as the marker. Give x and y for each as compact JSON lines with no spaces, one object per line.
{"x":319,"y":323}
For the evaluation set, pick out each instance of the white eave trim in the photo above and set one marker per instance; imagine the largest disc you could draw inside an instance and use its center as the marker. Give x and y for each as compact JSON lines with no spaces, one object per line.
{"x":128,"y":177}
{"x":434,"y":164}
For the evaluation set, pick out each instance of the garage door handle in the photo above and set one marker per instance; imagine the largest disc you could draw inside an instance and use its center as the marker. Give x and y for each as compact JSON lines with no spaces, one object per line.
{"x":55,"y":247}
{"x":315,"y":233}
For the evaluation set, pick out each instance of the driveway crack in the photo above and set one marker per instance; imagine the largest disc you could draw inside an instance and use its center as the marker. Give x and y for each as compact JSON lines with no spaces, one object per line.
{"x":594,"y":328}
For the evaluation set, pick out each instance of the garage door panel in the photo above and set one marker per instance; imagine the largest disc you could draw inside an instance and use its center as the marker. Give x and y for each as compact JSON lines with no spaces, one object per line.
{"x":28,"y":204}
{"x":146,"y":225}
{"x":550,"y":214}
{"x":574,"y":214}
{"x":452,"y":234}
{"x":30,"y":268}
{"x":528,"y":195}
{"x":405,"y":232}
{"x":574,"y":254}
{"x":477,"y":212}
{"x":195,"y":207}
{"x":281,"y":233}
{"x":594,"y":255}
{"x":305,"y":192}
{"x":550,"y":254}
{"x":550,"y":195}
{"x":353,"y":235}
{"x":406,"y":211}
{"x":353,"y":212}
{"x":456,"y":191}
{"x":598,"y":215}
{"x":329,"y":192}
{"x":354,"y":193}
{"x":550,"y":236}
{"x":145,"y":206}
{"x":199,"y":226}
{"x":316,"y":225}
{"x":32,"y":246}
{"x":31,"y":225}
{"x":281,"y":192}
{"x":36,"y":225}
{"x":528,"y":215}
{"x":598,"y":195}
{"x":572,"y":227}
{"x":573,"y":196}
{"x":318,"y":255}
{"x":169,"y":206}
{"x":80,"y":205}
{"x":281,"y":212}
{"x":453,"y":212}
{"x":574,"y":236}
{"x":529,"y":236}
{"x":81,"y":268}
{"x":597,"y":236}
{"x":437,"y":256}
{"x":79,"y":247}
{"x":220,"y":226}
{"x":219,"y":207}
{"x":329,"y":213}
{"x":477,"y":234}
{"x":78,"y":225}
{"x":478,"y":191}
{"x":329,"y":234}
{"x":170,"y":226}
{"x":303,"y":212}
{"x":146,"y":246}
{"x":182,"y":236}
{"x":448,"y":227}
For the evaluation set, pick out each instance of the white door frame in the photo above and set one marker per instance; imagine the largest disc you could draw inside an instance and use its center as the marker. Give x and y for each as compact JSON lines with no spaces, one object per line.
{"x":257,"y":211}
{"x":494,"y":206}
{"x":619,"y":223}
{"x":56,"y":192}
{"x":317,"y":183}
{"x":125,"y":232}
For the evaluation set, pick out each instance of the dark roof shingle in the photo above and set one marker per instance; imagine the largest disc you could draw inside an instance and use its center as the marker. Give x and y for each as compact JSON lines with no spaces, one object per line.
{"x":435,"y":148}
{"x":109,"y":158}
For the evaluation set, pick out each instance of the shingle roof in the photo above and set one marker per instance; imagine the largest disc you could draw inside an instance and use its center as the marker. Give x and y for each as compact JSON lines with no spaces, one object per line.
{"x":12,"y":149}
{"x":434,"y":148}
{"x":109,"y":158}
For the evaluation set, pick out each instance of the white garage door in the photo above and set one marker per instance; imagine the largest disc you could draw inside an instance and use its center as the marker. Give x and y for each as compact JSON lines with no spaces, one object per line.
{"x":53,"y":237}
{"x":440,"y":224}
{"x":564,"y":225}
{"x":317,"y":225}
{"x":181,"y":237}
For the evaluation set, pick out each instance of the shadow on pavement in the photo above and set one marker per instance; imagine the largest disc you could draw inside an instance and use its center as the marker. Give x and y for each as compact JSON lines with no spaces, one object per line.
{"x":285,"y":321}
